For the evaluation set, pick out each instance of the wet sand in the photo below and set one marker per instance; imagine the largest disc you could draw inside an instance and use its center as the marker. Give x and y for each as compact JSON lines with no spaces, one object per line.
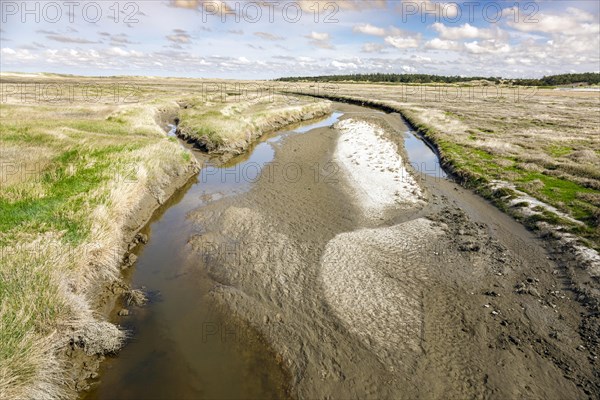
{"x":452,"y":299}
{"x":446,"y":297}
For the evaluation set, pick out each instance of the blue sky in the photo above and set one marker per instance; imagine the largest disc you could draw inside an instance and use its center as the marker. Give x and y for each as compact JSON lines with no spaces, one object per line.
{"x":269,"y":39}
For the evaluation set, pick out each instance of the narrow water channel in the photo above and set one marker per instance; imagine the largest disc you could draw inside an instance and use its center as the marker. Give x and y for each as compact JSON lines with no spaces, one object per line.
{"x":181,"y":347}
{"x":421,"y":157}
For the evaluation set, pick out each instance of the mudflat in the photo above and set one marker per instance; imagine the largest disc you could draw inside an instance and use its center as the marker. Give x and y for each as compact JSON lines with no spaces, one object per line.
{"x":443,"y":297}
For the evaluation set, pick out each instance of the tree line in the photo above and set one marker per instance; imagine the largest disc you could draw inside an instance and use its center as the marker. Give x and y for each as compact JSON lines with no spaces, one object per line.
{"x":589,"y":78}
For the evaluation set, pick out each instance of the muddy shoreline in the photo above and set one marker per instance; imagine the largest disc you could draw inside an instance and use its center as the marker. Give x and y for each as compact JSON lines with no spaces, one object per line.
{"x":84,"y":367}
{"x":113,"y":298}
{"x":579,"y":265}
{"x":482,"y":309}
{"x":353,"y":306}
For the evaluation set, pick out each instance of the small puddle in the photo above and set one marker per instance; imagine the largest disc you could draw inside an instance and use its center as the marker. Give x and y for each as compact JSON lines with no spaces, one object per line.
{"x":181,"y":347}
{"x":172,"y":130}
{"x":422,"y":157}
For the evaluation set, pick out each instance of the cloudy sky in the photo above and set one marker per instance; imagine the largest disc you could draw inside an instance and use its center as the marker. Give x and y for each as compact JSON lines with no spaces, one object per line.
{"x":269,"y":39}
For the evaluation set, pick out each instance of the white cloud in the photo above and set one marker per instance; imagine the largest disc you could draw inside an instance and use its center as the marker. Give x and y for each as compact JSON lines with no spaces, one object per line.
{"x":465,"y":31}
{"x":573,"y":22}
{"x":69,"y":39}
{"x":122,"y":39}
{"x":401,"y":42}
{"x":18,"y":55}
{"x":179,"y":36}
{"x":419,"y":58}
{"x":369,"y":29}
{"x":221,"y":7}
{"x":373,"y":30}
{"x":268,"y":36}
{"x":580,"y":15}
{"x":343,"y":65}
{"x":311,"y":5}
{"x":318,"y":36}
{"x":320,"y":39}
{"x":434,"y":9}
{"x":439,"y":44}
{"x":487,"y":47}
{"x":373,"y":48}
{"x":117,"y":51}
{"x":186,"y":3}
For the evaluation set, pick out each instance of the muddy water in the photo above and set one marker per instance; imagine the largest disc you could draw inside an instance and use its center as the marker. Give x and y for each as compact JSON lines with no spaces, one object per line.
{"x":181,"y":347}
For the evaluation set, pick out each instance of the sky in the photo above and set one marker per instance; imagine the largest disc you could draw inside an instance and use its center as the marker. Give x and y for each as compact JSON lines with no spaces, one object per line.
{"x":271,"y":39}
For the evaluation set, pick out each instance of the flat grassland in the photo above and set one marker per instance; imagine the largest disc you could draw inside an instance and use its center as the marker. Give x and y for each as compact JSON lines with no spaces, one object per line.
{"x":84,"y":163}
{"x":518,"y":146}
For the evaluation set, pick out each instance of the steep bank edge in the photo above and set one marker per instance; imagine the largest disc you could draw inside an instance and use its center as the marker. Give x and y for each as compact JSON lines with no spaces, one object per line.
{"x":228,"y":151}
{"x":81,"y":366}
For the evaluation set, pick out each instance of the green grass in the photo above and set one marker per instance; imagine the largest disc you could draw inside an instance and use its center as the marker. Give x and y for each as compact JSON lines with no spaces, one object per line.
{"x":20,"y":133}
{"x":558,"y":151}
{"x":561,"y":193}
{"x":454,"y":115}
{"x":65,"y":194}
{"x":481,"y":167}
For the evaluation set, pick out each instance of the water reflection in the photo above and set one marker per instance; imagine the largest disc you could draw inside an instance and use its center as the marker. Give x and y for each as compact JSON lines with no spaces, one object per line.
{"x":422,"y":158}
